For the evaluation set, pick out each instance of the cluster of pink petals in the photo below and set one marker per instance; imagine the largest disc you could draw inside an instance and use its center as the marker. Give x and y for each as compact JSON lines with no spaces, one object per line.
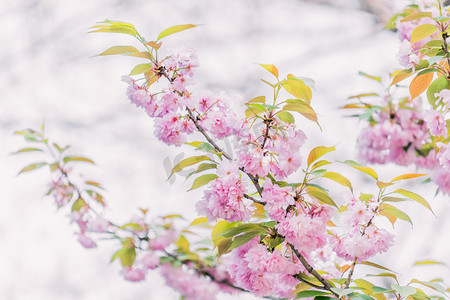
{"x":405,"y":29}
{"x":162,"y":241}
{"x":436,"y":123}
{"x":395,"y":137}
{"x":304,"y":231}
{"x":360,"y":239}
{"x":61,"y":192}
{"x":277,"y":199}
{"x":224,"y":197}
{"x":191,"y":286}
{"x":262,"y":272}
{"x":88,"y":222}
{"x":280,"y":155}
{"x":406,"y":56}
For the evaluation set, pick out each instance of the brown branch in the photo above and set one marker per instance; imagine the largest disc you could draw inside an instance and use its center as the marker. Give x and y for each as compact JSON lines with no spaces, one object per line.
{"x":350,"y":274}
{"x":254,"y":200}
{"x":326,"y":285}
{"x":203,"y":132}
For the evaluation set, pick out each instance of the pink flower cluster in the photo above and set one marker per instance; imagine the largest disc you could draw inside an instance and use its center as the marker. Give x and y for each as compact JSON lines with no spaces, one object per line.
{"x":262,"y":272}
{"x":305,"y":230}
{"x":402,"y":133}
{"x":360,"y":239}
{"x":277,"y":200}
{"x":280,"y":155}
{"x":138,"y":270}
{"x":224,"y":197}
{"x":61,"y":191}
{"x":190,"y":285}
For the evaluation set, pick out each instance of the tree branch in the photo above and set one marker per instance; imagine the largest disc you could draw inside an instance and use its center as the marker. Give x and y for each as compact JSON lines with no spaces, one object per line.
{"x":310,"y":269}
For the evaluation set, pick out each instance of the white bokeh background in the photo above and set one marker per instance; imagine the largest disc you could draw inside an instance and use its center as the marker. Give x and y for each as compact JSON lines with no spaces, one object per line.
{"x":48,"y":74}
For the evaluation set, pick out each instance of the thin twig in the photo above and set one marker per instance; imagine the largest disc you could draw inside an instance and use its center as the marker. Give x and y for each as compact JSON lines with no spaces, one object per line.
{"x":310,"y":269}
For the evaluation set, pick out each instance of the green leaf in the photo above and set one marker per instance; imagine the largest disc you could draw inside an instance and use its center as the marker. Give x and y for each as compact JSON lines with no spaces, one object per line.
{"x":119,"y":50}
{"x":435,"y":286}
{"x":320,"y":195}
{"x":286,"y":117}
{"x":28,"y":150}
{"x":319,"y":164}
{"x":318,"y":152}
{"x":242,"y":227}
{"x":220,"y":227}
{"x":304,"y":109}
{"x":202,"y":180}
{"x":271,"y":68}
{"x":142,"y":54}
{"x":416,"y":16}
{"x":407,"y":176}
{"x":257,"y":106}
{"x":175,"y":29}
{"x":310,"y":294}
{"x":413,"y":196}
{"x":436,"y":86}
{"x":198,"y":221}
{"x":32,"y":167}
{"x":77,"y":158}
{"x":115,"y":27}
{"x":367,"y":170}
{"x":297,"y":88}
{"x":392,"y":199}
{"x":428,"y":262}
{"x":378,"y":290}
{"x":259,"y":99}
{"x":376,"y":78}
{"x":422,"y":31}
{"x":342,"y":292}
{"x":405,"y":291}
{"x":336,"y":177}
{"x":126,"y":256}
{"x":188,"y":162}
{"x":389,"y":209}
{"x":245,"y":238}
{"x":78,"y":204}
{"x":141,"y":68}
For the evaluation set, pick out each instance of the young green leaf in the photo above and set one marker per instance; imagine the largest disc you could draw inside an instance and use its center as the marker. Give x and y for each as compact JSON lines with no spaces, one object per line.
{"x":320,"y":195}
{"x":202,"y":180}
{"x":271,"y":68}
{"x":286,"y":117}
{"x":367,"y":170}
{"x":175,"y":29}
{"x":119,"y":50}
{"x":422,"y":31}
{"x":32,"y":167}
{"x":436,"y":86}
{"x":318,"y":152}
{"x":141,"y":68}
{"x":298,"y":88}
{"x":413,"y":196}
{"x":407,"y":176}
{"x":392,"y":210}
{"x":77,"y":158}
{"x":336,"y":177}
{"x":188,"y":162}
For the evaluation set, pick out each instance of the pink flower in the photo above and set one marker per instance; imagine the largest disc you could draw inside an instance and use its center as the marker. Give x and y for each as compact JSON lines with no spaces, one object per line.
{"x":150,"y":260}
{"x":224,"y":197}
{"x":444,"y":155}
{"x":436,"y":123}
{"x":306,"y":234}
{"x":99,"y":224}
{"x":444,"y":95}
{"x":277,"y":200}
{"x":86,"y":241}
{"x":162,"y":241}
{"x":191,"y":286}
{"x":133,"y":274}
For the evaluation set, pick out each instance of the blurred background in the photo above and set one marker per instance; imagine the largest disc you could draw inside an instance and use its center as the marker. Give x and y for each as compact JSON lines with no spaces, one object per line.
{"x":49,"y":75}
